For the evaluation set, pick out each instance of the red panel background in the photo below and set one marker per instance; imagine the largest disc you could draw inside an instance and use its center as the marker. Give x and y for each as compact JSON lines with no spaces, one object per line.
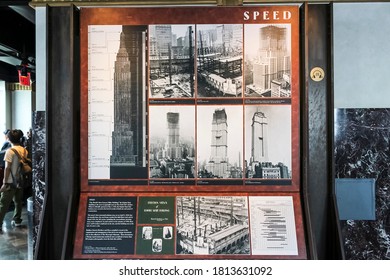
{"x":189,"y":15}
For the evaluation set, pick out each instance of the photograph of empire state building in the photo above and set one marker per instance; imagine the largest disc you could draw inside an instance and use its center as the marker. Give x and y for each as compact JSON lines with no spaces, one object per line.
{"x":267,"y":60}
{"x":128,"y":159}
{"x":219,"y":142}
{"x":268,"y":142}
{"x":172,"y":142}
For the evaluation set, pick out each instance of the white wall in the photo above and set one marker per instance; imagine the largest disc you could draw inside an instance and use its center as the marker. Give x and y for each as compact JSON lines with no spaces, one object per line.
{"x":3,"y":122}
{"x":21,"y":110}
{"x":5,"y":103}
{"x":40,"y":46}
{"x":361,"y":55}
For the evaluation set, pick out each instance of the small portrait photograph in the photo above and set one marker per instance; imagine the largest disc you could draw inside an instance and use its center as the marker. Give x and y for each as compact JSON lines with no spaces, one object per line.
{"x":167,"y":232}
{"x":147,"y":233}
{"x":157,"y":245}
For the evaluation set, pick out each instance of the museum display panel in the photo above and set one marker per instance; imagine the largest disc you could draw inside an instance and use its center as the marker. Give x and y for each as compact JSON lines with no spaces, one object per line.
{"x":191,"y":133}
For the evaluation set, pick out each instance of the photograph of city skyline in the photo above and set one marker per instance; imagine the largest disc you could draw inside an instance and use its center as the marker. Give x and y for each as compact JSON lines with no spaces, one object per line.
{"x":172,"y":142}
{"x":267,"y":60}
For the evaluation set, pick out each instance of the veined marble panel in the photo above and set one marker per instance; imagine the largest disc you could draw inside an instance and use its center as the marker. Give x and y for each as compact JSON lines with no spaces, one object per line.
{"x":362,"y":150}
{"x":39,"y":152}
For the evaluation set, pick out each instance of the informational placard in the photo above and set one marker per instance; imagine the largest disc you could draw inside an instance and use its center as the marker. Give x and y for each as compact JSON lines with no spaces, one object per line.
{"x":273,"y":225}
{"x":190,"y":226}
{"x":110,"y":225}
{"x":156,"y":210}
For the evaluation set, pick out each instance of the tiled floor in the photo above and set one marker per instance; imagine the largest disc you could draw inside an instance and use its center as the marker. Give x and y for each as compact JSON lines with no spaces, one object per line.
{"x":14,"y":241}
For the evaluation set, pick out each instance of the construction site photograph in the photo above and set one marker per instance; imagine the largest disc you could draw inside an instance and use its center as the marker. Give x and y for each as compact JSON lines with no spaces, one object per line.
{"x":171,"y":60}
{"x":219,"y":60}
{"x":210,"y":225}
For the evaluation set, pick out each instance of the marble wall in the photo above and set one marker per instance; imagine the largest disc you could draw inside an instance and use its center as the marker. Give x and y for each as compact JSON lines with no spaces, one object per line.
{"x":38,"y":151}
{"x":362,"y":150}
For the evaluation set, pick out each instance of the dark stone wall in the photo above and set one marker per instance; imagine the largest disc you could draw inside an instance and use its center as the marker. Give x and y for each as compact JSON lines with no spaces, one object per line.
{"x":38,"y":152}
{"x":362,"y":150}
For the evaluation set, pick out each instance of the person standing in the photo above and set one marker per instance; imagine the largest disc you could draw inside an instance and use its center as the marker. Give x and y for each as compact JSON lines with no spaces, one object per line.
{"x":9,"y":190}
{"x":6,"y":145}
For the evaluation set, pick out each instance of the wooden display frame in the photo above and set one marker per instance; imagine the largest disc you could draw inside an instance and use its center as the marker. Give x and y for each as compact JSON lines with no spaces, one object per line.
{"x":197,"y":187}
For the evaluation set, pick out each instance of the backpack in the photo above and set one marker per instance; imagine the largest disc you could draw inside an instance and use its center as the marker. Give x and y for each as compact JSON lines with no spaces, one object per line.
{"x":24,"y":170}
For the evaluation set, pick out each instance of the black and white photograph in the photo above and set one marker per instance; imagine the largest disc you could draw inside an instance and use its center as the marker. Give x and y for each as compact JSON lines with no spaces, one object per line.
{"x":128,"y":138}
{"x":172,"y":142}
{"x":220,"y":142}
{"x":267,"y":60}
{"x":157,"y":245}
{"x":147,"y":233}
{"x":268,"y":142}
{"x":167,"y":232}
{"x":116,"y":111}
{"x":172,"y":61}
{"x":219,"y":60}
{"x":211,"y":225}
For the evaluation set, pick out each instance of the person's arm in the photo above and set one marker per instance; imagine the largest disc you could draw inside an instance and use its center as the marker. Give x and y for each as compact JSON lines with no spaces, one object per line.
{"x":7,"y":172}
{"x":8,"y":164}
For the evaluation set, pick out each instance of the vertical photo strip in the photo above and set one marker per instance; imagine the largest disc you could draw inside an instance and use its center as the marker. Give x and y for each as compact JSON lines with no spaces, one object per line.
{"x":116,"y":98}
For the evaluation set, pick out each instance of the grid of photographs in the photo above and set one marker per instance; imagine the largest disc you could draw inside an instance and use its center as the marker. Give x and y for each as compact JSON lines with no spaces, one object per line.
{"x":204,"y":103}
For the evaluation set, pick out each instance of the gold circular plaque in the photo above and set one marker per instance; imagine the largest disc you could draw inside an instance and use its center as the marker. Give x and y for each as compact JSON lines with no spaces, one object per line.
{"x":317,"y":74}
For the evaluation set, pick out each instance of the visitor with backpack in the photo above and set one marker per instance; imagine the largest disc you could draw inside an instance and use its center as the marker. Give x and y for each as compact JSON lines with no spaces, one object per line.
{"x":10,"y":189}
{"x":6,"y":145}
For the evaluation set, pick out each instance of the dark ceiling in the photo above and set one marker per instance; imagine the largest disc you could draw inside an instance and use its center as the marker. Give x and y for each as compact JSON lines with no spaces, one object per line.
{"x":17,"y":38}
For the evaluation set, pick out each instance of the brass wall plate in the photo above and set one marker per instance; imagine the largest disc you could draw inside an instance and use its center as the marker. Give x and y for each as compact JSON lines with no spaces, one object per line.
{"x":317,"y":74}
